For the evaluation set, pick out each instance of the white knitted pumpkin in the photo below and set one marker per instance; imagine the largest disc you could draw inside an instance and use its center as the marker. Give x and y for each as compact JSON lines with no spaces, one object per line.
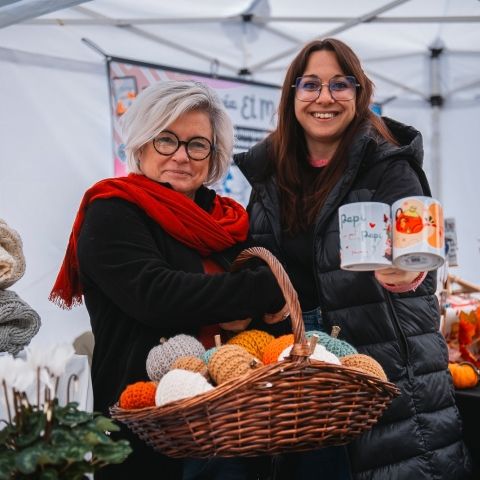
{"x":320,"y":353}
{"x":178,"y":384}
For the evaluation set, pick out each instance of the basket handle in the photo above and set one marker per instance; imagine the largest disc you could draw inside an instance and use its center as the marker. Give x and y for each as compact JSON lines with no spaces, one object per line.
{"x":301,"y":348}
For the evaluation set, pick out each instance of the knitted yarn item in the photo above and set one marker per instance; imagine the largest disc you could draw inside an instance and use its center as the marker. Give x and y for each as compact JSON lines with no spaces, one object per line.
{"x":161,"y":357}
{"x":365,"y":364}
{"x":231,"y":361}
{"x":192,"y":364}
{"x":12,"y":260}
{"x":338,"y":347}
{"x":276,"y":347}
{"x":178,"y":384}
{"x":253,"y":341}
{"x":320,"y":353}
{"x":208,"y":354}
{"x":19,"y":323}
{"x":138,"y":395}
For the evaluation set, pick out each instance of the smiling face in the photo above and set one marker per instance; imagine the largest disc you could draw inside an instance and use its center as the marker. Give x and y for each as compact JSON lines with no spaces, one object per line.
{"x":183,"y":174}
{"x":324,"y":120}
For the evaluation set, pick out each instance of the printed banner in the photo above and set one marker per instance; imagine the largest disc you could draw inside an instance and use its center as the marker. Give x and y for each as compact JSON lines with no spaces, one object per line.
{"x":252,"y":107}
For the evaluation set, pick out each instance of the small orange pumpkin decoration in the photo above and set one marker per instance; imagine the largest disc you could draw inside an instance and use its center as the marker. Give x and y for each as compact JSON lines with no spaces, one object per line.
{"x":464,"y":374}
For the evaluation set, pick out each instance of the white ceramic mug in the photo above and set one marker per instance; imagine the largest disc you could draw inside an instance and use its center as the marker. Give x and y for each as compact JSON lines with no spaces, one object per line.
{"x":418,"y":234}
{"x":365,"y":240}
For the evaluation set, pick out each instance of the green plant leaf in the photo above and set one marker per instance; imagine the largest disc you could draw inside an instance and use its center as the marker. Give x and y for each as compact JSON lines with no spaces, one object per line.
{"x":49,"y":474}
{"x":27,"y":460}
{"x":115,"y":452}
{"x":32,"y":424}
{"x":71,"y":416}
{"x":95,"y":438}
{"x":106,"y":424}
{"x":77,"y":470}
{"x":7,"y":464}
{"x":6,"y":433}
{"x":62,"y":436}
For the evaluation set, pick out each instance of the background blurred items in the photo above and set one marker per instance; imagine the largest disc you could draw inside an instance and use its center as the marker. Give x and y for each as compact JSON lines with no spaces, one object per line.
{"x":19,"y":323}
{"x":12,"y":261}
{"x":83,"y":345}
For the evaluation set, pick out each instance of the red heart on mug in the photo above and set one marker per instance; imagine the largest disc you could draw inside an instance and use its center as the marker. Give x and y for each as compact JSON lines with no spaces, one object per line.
{"x":372,"y":225}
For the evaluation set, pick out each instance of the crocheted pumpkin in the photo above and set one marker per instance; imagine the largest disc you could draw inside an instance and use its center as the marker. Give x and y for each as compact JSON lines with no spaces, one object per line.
{"x":253,"y":341}
{"x":338,"y":347}
{"x":464,"y":374}
{"x":179,"y":384}
{"x":365,"y":364}
{"x":138,"y":395}
{"x":161,"y":357}
{"x":231,"y":361}
{"x":208,"y":354}
{"x":320,"y":353}
{"x":190,"y":363}
{"x":276,"y":347}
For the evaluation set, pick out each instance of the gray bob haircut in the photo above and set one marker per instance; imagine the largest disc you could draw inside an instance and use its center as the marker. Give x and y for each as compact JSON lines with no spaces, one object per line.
{"x":161,"y":104}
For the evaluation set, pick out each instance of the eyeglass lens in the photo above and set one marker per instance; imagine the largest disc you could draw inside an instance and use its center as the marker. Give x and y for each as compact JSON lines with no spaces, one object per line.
{"x":340,"y":87}
{"x":167,"y":143}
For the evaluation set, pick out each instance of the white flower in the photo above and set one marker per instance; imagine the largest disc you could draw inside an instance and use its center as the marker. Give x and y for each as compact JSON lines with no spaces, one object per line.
{"x":60,"y":356}
{"x":53,"y":357}
{"x":25,"y":376}
{"x":16,"y":373}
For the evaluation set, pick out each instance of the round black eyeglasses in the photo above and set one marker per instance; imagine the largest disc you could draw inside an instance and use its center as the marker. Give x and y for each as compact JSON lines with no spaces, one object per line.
{"x":197,"y":148}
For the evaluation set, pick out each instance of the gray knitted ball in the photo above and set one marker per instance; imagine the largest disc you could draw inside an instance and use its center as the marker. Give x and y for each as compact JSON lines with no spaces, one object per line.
{"x":19,"y":323}
{"x":161,"y":357}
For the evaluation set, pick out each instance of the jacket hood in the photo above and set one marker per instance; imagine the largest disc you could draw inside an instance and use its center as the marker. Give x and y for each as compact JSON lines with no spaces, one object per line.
{"x":409,"y":139}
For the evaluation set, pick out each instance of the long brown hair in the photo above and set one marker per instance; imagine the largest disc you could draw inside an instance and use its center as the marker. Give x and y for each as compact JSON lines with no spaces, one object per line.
{"x":301,"y":197}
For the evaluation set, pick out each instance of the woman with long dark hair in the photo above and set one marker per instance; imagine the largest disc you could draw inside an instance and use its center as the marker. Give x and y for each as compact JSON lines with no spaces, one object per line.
{"x":329,"y":149}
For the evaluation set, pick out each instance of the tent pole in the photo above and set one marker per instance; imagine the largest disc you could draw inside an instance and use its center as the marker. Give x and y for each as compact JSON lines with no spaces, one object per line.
{"x":436,"y":101}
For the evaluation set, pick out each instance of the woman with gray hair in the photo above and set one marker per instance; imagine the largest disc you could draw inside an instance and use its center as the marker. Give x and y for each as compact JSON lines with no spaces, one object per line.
{"x":143,"y":249}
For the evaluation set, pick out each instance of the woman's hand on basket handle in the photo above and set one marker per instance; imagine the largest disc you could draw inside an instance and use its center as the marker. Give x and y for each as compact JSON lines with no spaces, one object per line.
{"x":281,"y":315}
{"x":236,"y":325}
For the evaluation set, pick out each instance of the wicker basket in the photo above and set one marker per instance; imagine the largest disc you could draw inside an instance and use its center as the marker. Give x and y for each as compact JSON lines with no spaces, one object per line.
{"x":294,"y":405}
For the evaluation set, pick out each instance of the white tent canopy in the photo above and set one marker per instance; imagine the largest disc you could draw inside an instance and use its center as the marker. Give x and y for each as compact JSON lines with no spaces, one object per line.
{"x":55,"y":131}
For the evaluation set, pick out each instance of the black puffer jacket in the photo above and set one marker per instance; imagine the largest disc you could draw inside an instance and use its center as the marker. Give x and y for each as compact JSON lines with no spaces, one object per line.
{"x":419,"y":437}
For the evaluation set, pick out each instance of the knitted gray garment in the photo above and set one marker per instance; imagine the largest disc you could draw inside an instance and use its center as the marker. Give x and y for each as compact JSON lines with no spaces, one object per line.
{"x":12,"y":260}
{"x":19,"y":323}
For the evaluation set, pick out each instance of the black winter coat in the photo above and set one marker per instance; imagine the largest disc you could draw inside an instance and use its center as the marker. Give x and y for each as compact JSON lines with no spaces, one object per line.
{"x":140,"y":284}
{"x":419,"y":436}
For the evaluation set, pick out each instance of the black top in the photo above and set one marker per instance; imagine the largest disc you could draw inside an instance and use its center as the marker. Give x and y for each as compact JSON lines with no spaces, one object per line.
{"x":298,"y":262}
{"x":140,"y":284}
{"x":298,"y":258}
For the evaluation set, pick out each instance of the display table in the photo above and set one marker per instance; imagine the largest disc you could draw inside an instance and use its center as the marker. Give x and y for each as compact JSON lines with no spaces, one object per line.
{"x":468,"y":402}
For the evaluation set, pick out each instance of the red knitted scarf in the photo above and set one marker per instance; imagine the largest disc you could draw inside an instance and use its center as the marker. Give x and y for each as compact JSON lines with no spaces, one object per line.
{"x":178,"y":215}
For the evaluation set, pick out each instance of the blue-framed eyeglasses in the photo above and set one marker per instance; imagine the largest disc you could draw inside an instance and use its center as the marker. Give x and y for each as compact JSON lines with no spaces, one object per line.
{"x":197,"y":148}
{"x":341,"y":87}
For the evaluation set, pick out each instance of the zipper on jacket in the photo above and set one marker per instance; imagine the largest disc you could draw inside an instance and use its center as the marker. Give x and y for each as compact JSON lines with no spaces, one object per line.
{"x":402,"y":339}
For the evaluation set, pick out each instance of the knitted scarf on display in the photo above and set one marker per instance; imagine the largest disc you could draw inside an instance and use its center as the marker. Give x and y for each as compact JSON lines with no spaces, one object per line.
{"x":178,"y":215}
{"x":19,"y":323}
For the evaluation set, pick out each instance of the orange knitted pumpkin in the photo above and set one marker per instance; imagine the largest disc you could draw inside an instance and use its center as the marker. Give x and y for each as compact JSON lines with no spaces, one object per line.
{"x":253,"y":341}
{"x":138,"y":395}
{"x":273,"y":350}
{"x":464,"y":374}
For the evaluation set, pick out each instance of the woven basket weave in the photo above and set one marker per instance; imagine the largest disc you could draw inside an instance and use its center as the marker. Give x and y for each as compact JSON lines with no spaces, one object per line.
{"x":294,"y":405}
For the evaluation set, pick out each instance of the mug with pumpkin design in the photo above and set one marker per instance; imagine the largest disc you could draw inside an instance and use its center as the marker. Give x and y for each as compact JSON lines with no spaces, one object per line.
{"x":365,"y":236}
{"x":418,"y":234}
